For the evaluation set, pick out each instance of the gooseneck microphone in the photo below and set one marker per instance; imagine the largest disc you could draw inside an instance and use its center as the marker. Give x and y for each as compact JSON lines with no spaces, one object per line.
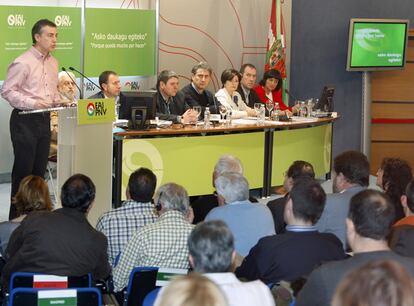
{"x":74,"y":81}
{"x":96,"y":85}
{"x":236,"y":100}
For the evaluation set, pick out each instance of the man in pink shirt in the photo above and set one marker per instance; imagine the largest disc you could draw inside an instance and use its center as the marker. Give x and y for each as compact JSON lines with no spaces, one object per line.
{"x":31,"y":83}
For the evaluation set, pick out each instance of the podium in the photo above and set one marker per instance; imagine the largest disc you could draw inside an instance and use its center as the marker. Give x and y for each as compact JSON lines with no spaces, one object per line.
{"x":86,"y":149}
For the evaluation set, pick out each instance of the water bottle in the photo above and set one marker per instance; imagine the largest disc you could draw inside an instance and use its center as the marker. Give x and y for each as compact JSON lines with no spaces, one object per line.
{"x":229,"y":115}
{"x":302,"y":109}
{"x":276,"y":112}
{"x":206,"y":117}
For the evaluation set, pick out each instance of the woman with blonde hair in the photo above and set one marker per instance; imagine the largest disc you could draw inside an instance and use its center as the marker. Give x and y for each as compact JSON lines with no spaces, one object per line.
{"x":191,"y":290}
{"x":33,"y":194}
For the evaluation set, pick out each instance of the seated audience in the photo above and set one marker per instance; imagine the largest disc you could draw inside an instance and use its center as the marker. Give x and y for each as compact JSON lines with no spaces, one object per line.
{"x":246,"y":86}
{"x":196,"y":93}
{"x":230,"y":98}
{"x":281,"y":257}
{"x":118,"y":225}
{"x":299,"y":169}
{"x":203,"y":204}
{"x":393,"y":176}
{"x":377,"y":283}
{"x":60,"y":242}
{"x":211,"y":247}
{"x":402,"y":233}
{"x":270,"y":89}
{"x":171,"y":103}
{"x":248,"y":222}
{"x":162,"y":243}
{"x":110,"y":86}
{"x":369,"y":221}
{"x":191,"y":290}
{"x":350,"y":175}
{"x":32,"y":195}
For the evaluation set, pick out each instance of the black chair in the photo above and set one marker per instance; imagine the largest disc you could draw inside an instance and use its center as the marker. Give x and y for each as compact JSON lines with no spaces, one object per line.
{"x":141,"y":282}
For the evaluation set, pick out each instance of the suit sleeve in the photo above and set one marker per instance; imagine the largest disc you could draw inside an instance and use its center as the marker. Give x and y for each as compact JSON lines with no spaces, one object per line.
{"x":249,"y":268}
{"x":102,"y":268}
{"x":314,"y":291}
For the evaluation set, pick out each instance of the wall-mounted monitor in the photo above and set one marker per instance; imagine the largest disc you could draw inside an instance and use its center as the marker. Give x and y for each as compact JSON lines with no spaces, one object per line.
{"x":377,"y":44}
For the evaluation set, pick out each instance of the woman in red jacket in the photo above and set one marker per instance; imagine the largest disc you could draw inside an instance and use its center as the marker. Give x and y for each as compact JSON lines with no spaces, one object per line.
{"x":270,"y":89}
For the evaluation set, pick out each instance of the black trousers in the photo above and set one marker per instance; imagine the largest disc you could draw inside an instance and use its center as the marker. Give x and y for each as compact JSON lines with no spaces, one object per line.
{"x":30,"y":136}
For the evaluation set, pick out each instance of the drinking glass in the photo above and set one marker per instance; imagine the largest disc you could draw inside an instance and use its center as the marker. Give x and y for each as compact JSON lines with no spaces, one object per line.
{"x":197,"y":110}
{"x":223,"y":112}
{"x":257,"y":107}
{"x":269,"y":107}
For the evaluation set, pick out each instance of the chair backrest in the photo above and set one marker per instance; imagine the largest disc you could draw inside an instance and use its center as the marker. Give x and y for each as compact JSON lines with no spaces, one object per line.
{"x":150,"y":298}
{"x":30,"y":296}
{"x":141,"y":282}
{"x":26,"y":280}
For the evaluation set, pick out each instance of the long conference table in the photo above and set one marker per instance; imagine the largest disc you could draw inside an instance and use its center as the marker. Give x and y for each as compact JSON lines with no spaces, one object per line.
{"x":187,"y":154}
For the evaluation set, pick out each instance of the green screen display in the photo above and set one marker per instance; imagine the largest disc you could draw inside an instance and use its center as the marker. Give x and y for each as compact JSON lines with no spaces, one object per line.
{"x":378,"y":44}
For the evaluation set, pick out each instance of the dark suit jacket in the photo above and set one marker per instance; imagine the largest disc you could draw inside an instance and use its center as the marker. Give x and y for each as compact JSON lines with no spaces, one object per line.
{"x":61,"y":242}
{"x":321,"y":285}
{"x":98,"y":95}
{"x":253,"y":97}
{"x":177,"y":107}
{"x":277,"y":207}
{"x":193,"y":98}
{"x":402,"y":237}
{"x":289,"y":256}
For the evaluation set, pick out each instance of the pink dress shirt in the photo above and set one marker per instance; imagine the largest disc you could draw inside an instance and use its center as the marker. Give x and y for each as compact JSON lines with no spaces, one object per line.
{"x":30,"y":78}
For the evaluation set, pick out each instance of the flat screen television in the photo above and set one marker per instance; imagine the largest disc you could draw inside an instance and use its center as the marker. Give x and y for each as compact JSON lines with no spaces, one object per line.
{"x":377,"y":44}
{"x":137,"y":107}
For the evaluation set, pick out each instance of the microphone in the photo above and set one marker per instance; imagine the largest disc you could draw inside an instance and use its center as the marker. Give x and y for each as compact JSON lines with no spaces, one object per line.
{"x":96,"y":85}
{"x":236,"y":100}
{"x":74,"y":81}
{"x":290,"y":95}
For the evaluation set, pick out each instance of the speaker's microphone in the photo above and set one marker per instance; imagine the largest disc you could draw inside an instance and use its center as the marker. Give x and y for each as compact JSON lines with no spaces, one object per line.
{"x":73,"y":80}
{"x":236,"y":100}
{"x":290,"y":95}
{"x":96,"y":85}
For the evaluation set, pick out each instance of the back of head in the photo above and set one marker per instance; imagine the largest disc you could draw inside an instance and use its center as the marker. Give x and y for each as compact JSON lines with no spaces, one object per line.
{"x":33,"y":194}
{"x":308,"y":200}
{"x":409,"y":192}
{"x":78,"y":192}
{"x":372,"y":214}
{"x":232,"y":187}
{"x":300,"y":169}
{"x":211,"y":245}
{"x":377,"y":283}
{"x":354,"y":166}
{"x":172,"y":196}
{"x":228,"y":163}
{"x":104,"y":76}
{"x":141,"y":185}
{"x":192,"y":290}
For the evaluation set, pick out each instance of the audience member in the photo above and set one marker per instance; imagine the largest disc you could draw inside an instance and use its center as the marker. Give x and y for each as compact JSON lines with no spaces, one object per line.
{"x":377,"y":283}
{"x":230,"y":98}
{"x":32,"y":195}
{"x":196,"y":93}
{"x":270,"y":89}
{"x":299,"y":169}
{"x":246,"y":86}
{"x":370,"y":217}
{"x":110,"y":86}
{"x":211,"y":247}
{"x":171,"y":103}
{"x":281,"y":257}
{"x":61,"y":242}
{"x":191,"y":290}
{"x":248,"y":222}
{"x":162,"y":243}
{"x":119,"y":224}
{"x":350,"y":175}
{"x":402,"y":232}
{"x":393,"y":177}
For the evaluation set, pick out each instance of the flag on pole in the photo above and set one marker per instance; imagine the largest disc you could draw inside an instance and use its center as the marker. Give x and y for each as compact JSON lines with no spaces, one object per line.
{"x":276,"y":56}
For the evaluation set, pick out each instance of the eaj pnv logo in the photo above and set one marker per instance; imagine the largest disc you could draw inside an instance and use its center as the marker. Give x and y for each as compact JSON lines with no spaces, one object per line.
{"x":16,"y":20}
{"x":90,"y":109}
{"x":96,"y":109}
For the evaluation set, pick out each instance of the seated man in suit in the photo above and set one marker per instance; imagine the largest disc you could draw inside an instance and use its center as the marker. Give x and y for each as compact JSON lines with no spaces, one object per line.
{"x":60,"y":242}
{"x":170,"y":102}
{"x":248,"y":221}
{"x":369,"y":221}
{"x":246,"y":86}
{"x":196,"y":93}
{"x":281,"y":257}
{"x":110,"y":86}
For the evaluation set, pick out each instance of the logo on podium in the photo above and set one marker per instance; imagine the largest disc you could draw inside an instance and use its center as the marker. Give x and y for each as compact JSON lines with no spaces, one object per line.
{"x":93,"y":111}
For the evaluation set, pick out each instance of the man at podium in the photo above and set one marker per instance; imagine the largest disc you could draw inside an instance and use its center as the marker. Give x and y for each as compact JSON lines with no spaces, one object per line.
{"x":31,"y":83}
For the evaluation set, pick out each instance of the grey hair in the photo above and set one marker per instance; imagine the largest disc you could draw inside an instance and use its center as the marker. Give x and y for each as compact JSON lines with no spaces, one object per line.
{"x":202,"y":65}
{"x":228,"y":163}
{"x":232,"y":187}
{"x":211,"y":245}
{"x":65,"y":74}
{"x":173,"y":197}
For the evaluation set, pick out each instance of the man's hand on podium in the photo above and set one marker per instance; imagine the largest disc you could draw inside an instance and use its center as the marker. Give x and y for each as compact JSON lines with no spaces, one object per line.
{"x":40,"y":104}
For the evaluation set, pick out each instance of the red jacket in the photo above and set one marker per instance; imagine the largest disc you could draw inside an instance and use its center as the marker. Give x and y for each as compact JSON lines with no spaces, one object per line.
{"x":276,"y":94}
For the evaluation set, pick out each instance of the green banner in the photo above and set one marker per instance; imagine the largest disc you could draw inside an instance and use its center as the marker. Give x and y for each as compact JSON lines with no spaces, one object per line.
{"x":93,"y":111}
{"x":16,"y":24}
{"x":120,"y":40}
{"x":57,"y":297}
